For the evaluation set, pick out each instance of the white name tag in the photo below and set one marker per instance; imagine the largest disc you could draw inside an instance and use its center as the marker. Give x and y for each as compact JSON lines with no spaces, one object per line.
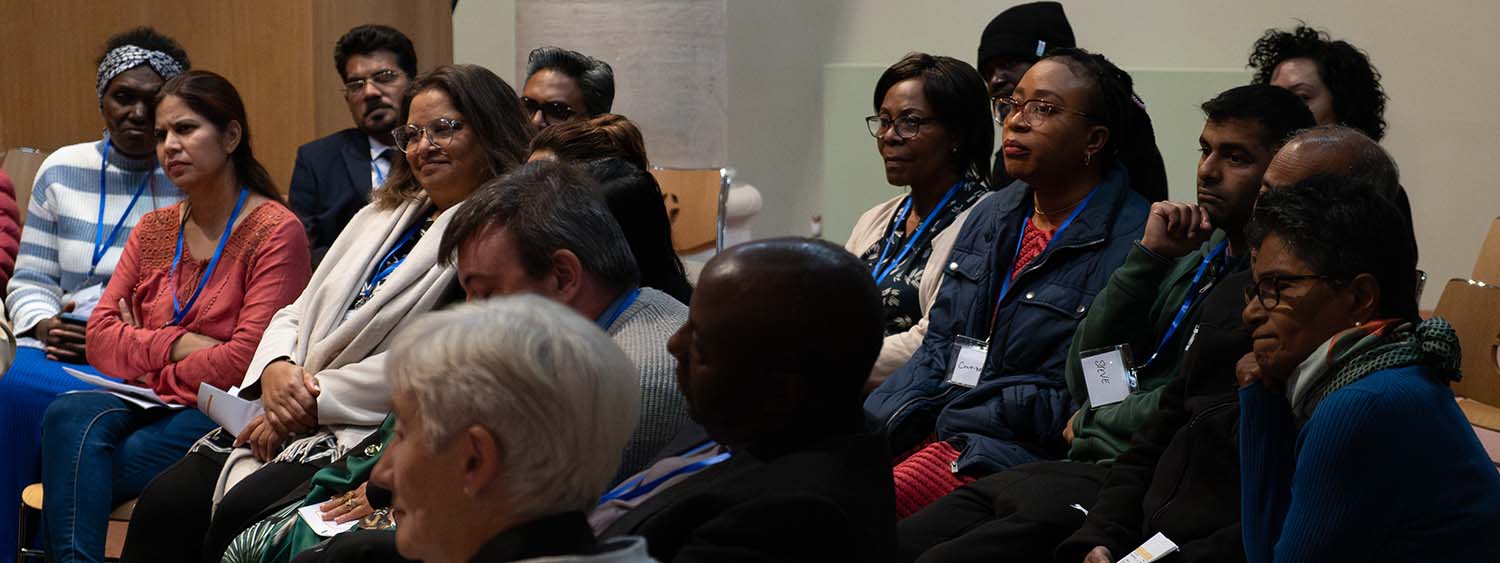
{"x":1155,"y":548}
{"x":968,"y":361}
{"x":1107,"y":373}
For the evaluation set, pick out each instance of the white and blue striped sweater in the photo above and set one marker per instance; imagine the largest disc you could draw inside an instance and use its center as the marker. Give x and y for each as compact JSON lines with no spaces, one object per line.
{"x":57,"y":243}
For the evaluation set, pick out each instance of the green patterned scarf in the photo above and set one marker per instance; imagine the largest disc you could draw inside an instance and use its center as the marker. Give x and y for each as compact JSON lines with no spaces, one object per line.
{"x":1380,"y":345}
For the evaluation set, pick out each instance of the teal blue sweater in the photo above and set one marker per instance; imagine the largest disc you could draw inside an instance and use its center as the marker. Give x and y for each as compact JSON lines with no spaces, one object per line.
{"x":1387,"y":469}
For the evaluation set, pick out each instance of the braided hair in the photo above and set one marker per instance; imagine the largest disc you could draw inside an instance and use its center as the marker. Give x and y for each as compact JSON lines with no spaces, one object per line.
{"x":1114,"y":104}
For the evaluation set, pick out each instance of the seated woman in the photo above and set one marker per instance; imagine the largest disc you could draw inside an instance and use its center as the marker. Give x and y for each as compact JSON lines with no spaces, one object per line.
{"x":475,"y":406}
{"x":986,"y":390}
{"x":1351,"y":445}
{"x":320,"y":368}
{"x":88,"y":195}
{"x":635,"y":200}
{"x":194,"y":290}
{"x":1334,"y":78}
{"x":932,"y":129}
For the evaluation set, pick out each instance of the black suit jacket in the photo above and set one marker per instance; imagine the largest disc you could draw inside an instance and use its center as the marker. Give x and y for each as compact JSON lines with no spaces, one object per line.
{"x":830,"y":502}
{"x":330,"y":183}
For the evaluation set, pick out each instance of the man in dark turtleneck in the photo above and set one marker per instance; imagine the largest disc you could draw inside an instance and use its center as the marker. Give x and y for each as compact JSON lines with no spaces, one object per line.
{"x":1012,"y":42}
{"x":780,"y":337}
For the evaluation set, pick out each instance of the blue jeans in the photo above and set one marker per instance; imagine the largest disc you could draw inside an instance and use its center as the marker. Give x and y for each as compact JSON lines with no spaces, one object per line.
{"x":31,"y":384}
{"x":99,"y":451}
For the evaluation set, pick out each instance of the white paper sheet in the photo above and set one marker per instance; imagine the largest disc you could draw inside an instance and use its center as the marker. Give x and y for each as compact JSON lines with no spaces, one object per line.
{"x":226,"y":408}
{"x":141,"y":396}
{"x":313,"y":515}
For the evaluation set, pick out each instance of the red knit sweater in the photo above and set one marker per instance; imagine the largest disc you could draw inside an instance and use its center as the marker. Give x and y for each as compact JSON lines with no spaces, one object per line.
{"x":265,"y":267}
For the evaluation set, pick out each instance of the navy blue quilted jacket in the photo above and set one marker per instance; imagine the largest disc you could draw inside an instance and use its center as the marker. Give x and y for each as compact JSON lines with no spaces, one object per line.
{"x":1016,"y":413}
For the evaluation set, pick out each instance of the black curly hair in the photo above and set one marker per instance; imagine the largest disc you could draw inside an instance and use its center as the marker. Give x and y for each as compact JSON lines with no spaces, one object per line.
{"x":1354,"y":83}
{"x":1114,"y":104}
{"x":146,"y":37}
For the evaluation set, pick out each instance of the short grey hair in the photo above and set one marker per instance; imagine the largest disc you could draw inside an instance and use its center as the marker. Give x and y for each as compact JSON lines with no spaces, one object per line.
{"x":560,"y":398}
{"x":547,"y":206}
{"x":595,"y":77}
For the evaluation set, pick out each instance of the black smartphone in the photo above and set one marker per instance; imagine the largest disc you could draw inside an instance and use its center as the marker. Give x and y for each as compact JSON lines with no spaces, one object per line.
{"x":73,"y":319}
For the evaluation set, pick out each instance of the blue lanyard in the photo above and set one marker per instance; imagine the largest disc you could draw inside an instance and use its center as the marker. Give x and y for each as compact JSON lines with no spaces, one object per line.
{"x":634,"y":488}
{"x":179,"y":311}
{"x":916,"y":236}
{"x":385,"y":270}
{"x":618,"y":308}
{"x":379,"y":176}
{"x":102,"y":246}
{"x":1005,"y":286}
{"x":1187,"y":303}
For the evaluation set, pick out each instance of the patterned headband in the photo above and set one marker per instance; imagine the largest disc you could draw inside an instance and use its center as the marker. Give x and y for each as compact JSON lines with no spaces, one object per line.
{"x":125,"y":58}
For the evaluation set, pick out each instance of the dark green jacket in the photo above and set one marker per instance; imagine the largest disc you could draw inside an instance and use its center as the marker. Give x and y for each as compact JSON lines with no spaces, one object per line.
{"x":1135,"y":308}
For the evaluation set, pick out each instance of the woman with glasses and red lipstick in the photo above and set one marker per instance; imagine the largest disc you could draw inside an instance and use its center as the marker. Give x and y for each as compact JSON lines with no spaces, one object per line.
{"x":319,"y":370}
{"x":931,"y":129}
{"x":187,"y":304}
{"x":1351,"y":445}
{"x":986,"y":390}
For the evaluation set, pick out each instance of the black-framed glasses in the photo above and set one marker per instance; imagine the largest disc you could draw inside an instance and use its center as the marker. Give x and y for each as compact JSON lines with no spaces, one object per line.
{"x":1033,"y":112}
{"x":383,"y":77}
{"x":906,"y":126}
{"x":439,"y":132}
{"x":552,"y":112}
{"x":1268,"y":289}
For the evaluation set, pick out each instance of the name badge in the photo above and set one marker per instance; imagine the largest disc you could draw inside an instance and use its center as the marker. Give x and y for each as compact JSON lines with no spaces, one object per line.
{"x":1108,"y":375}
{"x":968,"y":361}
{"x":1155,"y":548}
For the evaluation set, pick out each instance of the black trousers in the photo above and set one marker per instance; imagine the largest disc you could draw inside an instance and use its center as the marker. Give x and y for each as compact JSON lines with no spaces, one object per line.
{"x":176,"y":509}
{"x":355,"y":547}
{"x":1016,"y":515}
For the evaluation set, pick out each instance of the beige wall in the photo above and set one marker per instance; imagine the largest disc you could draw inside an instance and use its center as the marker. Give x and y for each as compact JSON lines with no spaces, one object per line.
{"x":1436,"y":57}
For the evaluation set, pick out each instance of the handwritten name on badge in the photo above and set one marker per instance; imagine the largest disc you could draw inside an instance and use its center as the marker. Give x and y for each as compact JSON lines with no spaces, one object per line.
{"x":968,"y":364}
{"x":1106,"y":373}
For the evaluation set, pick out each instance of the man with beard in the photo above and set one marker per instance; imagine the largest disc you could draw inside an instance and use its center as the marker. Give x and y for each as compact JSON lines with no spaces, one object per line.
{"x":335,"y":175}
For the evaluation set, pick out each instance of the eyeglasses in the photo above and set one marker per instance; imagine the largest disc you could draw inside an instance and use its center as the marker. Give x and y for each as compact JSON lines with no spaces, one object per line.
{"x":385,"y":77}
{"x":552,"y":112}
{"x":1033,"y":112}
{"x":439,"y":132}
{"x":906,"y":127}
{"x":1268,"y":289}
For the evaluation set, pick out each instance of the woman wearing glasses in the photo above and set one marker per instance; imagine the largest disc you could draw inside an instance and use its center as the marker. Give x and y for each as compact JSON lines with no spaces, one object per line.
{"x":931,"y":130}
{"x":986,"y":389}
{"x":319,"y":369}
{"x":187,"y":304}
{"x":1351,"y":445}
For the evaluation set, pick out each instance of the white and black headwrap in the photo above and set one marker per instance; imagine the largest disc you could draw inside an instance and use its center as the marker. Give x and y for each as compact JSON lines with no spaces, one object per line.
{"x":125,"y":58}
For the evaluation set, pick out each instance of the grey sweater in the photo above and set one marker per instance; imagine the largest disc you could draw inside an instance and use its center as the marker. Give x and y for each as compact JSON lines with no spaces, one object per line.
{"x":642,"y":332}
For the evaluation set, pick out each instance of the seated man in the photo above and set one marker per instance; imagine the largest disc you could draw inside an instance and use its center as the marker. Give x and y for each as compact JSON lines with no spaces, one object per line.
{"x":1150,"y":304}
{"x":334,"y":175}
{"x":1180,"y":476}
{"x":563,"y":85}
{"x":542,"y":229}
{"x":779,"y":340}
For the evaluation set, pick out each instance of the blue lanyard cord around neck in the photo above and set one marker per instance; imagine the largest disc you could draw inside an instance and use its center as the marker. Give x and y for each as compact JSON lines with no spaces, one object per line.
{"x":178,"y":310}
{"x":385,"y":270}
{"x":1016,"y":256}
{"x":618,"y":308}
{"x":900,"y":218}
{"x":1187,"y":302}
{"x":102,"y":245}
{"x":379,"y":176}
{"x":637,"y":487}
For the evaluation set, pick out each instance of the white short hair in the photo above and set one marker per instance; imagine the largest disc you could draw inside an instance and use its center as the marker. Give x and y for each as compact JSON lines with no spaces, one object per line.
{"x":559,"y":396}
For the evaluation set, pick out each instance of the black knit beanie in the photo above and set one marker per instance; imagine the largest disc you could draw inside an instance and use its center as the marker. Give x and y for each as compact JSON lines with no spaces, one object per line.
{"x":1026,"y":30}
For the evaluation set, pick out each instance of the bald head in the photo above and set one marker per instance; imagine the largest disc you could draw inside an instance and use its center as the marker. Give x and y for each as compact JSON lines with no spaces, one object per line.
{"x":798,"y":298}
{"x":779,"y":331}
{"x":1334,"y":150}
